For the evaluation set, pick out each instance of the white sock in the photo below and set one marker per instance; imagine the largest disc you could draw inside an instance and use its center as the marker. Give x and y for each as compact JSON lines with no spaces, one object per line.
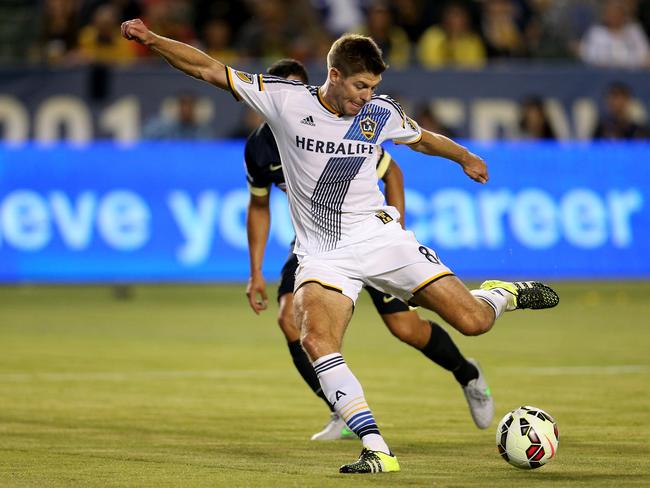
{"x":495,"y":298}
{"x":345,"y":394}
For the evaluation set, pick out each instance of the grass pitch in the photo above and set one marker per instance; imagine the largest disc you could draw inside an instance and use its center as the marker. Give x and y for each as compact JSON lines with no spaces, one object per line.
{"x":184,"y":386}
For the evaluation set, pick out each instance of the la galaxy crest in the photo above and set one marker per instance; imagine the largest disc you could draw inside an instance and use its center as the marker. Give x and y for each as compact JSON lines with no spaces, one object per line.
{"x":368,"y":124}
{"x":368,"y":127}
{"x":245,"y":77}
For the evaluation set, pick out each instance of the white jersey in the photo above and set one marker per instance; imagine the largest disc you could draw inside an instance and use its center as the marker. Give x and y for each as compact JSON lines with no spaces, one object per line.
{"x":329,"y":160}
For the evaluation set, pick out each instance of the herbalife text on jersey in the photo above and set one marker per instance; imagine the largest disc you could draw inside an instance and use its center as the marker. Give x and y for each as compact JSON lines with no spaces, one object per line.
{"x":330,"y":147}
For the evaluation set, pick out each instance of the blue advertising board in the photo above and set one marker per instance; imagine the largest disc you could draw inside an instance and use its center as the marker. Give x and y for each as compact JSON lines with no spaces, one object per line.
{"x":177,"y":212}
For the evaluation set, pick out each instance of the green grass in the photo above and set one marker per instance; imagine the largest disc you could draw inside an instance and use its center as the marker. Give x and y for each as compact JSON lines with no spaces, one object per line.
{"x":184,"y":386}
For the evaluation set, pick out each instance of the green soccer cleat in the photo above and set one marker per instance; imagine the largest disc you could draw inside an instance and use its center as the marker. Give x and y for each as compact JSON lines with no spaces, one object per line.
{"x":524,"y":294}
{"x":371,"y":462}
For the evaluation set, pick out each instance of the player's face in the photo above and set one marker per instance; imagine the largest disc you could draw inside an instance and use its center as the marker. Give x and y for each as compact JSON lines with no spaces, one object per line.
{"x":354,"y":91}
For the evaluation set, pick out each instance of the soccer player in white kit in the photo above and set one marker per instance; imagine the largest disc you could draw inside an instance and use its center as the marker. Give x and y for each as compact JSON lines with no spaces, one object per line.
{"x":346,"y":237}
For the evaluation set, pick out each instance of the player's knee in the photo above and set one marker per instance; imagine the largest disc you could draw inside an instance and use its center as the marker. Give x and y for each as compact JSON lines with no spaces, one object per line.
{"x":475,"y":323}
{"x":287,"y":321}
{"x":317,"y":341}
{"x":286,"y":318}
{"x":310,"y":342}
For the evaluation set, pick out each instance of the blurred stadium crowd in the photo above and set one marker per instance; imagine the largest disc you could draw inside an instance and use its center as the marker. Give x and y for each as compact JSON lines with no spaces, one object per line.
{"x":416,"y":35}
{"x":431,"y":34}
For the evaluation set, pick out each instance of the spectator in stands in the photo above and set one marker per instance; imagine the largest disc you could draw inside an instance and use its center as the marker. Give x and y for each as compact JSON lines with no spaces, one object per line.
{"x":235,"y":13}
{"x":391,"y":38}
{"x":501,"y":29}
{"x":619,"y":41}
{"x":59,"y":32}
{"x":413,"y":16}
{"x":183,"y":123}
{"x":534,"y":124}
{"x":340,"y":16}
{"x":643,"y":14}
{"x":555,"y":27}
{"x":280,"y":29}
{"x":308,"y":39}
{"x":101,"y":41}
{"x":125,"y":9}
{"x":453,"y":43}
{"x":217,"y":40}
{"x":268,"y":32}
{"x":19,"y":31}
{"x":619,"y":120}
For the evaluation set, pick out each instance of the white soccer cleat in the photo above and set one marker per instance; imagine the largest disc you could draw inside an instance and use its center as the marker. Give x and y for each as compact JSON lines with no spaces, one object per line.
{"x":334,"y":430}
{"x":479,"y":398}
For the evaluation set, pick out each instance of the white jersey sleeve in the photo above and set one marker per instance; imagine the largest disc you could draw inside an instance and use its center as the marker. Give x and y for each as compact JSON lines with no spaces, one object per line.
{"x":263,"y":93}
{"x":399,"y":127}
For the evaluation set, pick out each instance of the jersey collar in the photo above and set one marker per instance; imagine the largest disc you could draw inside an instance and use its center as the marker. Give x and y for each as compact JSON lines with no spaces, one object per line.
{"x":326,"y":105}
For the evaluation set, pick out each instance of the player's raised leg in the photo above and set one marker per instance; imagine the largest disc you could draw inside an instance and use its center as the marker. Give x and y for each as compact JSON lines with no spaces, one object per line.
{"x":451,"y":299}
{"x":474,"y":313}
{"x":323,"y":316}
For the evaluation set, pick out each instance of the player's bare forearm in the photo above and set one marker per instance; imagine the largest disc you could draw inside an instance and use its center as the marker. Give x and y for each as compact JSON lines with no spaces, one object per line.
{"x":258,"y":222}
{"x":394,"y":189}
{"x":181,"y":56}
{"x":439,"y":145}
{"x":190,"y":60}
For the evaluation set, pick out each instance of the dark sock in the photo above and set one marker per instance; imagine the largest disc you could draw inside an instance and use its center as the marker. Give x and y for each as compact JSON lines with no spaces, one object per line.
{"x":306,"y":370}
{"x":442,"y":351}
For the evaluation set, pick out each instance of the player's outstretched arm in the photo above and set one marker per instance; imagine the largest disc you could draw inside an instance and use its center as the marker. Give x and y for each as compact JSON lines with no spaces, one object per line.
{"x":394,"y":188}
{"x":258,"y":222}
{"x":181,"y":56}
{"x":439,"y":145}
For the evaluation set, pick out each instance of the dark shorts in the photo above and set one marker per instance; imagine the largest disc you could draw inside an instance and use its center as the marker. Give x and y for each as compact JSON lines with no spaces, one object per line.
{"x":384,"y":303}
{"x":288,"y":275}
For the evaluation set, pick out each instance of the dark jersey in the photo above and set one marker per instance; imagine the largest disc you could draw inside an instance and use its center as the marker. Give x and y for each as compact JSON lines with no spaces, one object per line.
{"x":262,"y":159}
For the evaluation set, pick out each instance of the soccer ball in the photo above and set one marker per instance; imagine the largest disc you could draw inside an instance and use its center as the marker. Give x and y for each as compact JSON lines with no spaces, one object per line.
{"x":527,"y":437}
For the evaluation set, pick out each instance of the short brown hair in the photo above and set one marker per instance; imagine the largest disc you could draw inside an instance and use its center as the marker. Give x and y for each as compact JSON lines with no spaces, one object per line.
{"x":353,"y":53}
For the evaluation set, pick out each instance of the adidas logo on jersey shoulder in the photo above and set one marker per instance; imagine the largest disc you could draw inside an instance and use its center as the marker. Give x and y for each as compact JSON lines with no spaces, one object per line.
{"x":309,"y":120}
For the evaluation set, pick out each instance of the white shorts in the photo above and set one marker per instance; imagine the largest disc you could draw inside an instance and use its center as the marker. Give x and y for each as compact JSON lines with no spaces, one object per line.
{"x":392,"y":261}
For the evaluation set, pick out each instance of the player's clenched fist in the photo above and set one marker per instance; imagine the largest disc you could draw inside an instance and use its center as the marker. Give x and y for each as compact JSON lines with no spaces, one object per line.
{"x":475,"y":167}
{"x":135,"y":30}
